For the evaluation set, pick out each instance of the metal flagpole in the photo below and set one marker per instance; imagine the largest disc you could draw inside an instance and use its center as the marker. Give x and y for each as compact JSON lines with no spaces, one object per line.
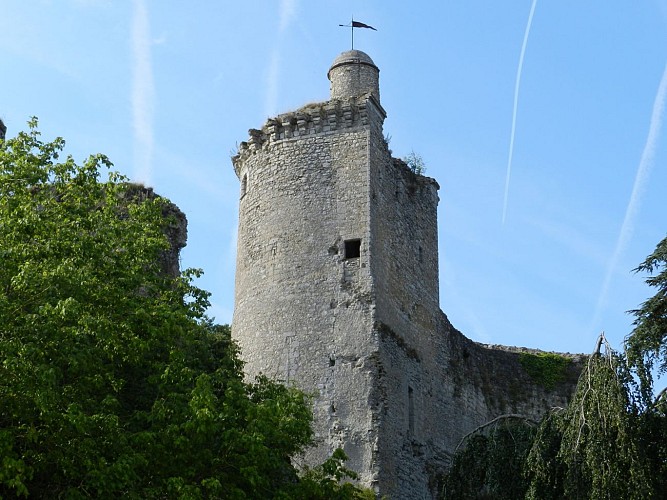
{"x":353,"y":25}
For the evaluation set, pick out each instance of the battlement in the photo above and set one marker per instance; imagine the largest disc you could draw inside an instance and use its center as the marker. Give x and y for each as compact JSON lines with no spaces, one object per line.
{"x":318,"y":118}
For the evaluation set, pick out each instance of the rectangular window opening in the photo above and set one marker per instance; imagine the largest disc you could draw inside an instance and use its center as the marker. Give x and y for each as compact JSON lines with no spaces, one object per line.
{"x":352,"y":249}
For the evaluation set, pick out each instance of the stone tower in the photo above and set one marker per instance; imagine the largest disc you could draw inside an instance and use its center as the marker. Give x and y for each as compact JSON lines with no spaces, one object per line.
{"x":337,"y":292}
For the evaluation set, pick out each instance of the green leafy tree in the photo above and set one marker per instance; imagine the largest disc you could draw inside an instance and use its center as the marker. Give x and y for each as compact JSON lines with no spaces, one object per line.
{"x":646,"y":346}
{"x":113,"y":383}
{"x":490,"y":465}
{"x":329,"y":481}
{"x":592,"y":448}
{"x":611,"y":440}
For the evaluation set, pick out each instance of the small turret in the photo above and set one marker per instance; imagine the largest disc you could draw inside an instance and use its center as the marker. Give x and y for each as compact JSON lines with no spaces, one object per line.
{"x":354,"y":73}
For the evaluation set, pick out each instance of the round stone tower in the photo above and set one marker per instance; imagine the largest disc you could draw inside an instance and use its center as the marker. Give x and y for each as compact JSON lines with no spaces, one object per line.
{"x":337,"y":293}
{"x":353,"y":73}
{"x":337,"y":251}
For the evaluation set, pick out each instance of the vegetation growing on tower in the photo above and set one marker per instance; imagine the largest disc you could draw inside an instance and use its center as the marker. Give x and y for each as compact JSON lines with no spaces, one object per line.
{"x":546,"y":368}
{"x":415,"y":163}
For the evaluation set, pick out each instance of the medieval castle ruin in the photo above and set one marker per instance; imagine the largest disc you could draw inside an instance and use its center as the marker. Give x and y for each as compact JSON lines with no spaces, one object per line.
{"x":337,"y":293}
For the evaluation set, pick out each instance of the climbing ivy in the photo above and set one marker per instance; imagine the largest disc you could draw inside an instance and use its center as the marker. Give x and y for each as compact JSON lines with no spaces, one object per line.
{"x":547,"y":369}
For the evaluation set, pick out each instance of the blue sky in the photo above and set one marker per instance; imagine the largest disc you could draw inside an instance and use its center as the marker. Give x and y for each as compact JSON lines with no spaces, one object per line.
{"x":541,"y":257}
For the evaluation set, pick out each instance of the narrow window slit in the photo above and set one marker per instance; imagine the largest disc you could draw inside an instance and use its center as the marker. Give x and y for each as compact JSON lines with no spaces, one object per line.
{"x":244,"y":185}
{"x":411,"y":412}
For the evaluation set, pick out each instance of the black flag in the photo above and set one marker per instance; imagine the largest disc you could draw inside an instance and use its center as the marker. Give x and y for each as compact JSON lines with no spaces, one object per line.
{"x":357,"y":24}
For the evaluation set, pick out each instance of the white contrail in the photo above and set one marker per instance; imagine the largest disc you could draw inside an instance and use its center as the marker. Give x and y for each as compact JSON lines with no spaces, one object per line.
{"x":641,"y":177}
{"x":516,"y":102}
{"x":143,"y":92}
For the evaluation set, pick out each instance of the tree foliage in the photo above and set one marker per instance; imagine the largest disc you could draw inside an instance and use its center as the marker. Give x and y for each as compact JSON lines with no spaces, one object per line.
{"x":113,"y":383}
{"x":611,"y":440}
{"x":602,"y":446}
{"x":490,"y":464}
{"x":646,"y":346}
{"x":591,"y":449}
{"x":329,"y":481}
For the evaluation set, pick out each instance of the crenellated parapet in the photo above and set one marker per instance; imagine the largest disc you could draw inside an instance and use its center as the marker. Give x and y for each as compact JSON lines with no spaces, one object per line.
{"x":318,"y":118}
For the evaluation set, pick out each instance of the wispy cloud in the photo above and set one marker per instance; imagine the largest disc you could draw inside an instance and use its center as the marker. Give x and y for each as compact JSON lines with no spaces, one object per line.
{"x":516,"y":102}
{"x":271,"y":100}
{"x":143,"y":93}
{"x":570,"y":238}
{"x":90,"y":3}
{"x":631,"y":211}
{"x":287,"y":12}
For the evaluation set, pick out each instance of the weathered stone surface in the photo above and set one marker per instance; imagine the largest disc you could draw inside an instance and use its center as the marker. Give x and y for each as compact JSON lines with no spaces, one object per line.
{"x":354,"y":73}
{"x":337,"y":292}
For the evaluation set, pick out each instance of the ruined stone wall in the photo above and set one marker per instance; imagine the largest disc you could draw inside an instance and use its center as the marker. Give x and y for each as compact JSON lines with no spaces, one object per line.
{"x":404,"y":265}
{"x":436,"y":389}
{"x":435,"y":386}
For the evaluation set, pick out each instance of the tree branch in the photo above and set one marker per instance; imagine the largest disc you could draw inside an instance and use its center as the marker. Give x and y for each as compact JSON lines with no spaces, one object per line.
{"x":491,"y":422}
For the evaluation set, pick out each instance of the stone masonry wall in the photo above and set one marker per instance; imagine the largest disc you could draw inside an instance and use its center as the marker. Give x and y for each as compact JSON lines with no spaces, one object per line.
{"x":303,"y":311}
{"x":435,"y":385}
{"x":352,"y":74}
{"x":438,"y":389}
{"x":337,"y":292}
